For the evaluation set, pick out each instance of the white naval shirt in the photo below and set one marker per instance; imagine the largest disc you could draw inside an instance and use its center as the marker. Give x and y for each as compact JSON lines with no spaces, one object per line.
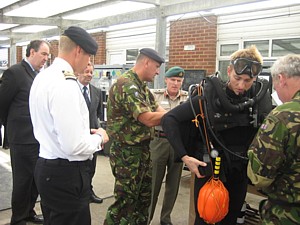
{"x":60,"y":116}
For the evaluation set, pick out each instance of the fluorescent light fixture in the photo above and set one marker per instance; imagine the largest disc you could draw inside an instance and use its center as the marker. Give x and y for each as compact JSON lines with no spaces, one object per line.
{"x":4,"y":26}
{"x":46,"y":8}
{"x":33,"y":29}
{"x":24,"y":43}
{"x":4,"y":38}
{"x":109,"y":10}
{"x":6,"y":3}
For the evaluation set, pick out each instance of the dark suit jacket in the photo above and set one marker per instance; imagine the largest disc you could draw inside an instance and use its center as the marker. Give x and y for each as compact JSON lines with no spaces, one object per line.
{"x":96,"y":106}
{"x":14,"y":103}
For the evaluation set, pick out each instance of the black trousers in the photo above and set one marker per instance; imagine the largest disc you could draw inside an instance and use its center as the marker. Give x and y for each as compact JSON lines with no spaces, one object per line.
{"x":236,"y":183}
{"x":93,"y":168}
{"x":64,"y":188}
{"x":24,"y":193}
{"x":5,"y":139}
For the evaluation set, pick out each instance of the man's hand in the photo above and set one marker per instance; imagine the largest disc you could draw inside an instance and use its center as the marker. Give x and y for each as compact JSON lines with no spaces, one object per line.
{"x":103,"y":134}
{"x":193,"y":164}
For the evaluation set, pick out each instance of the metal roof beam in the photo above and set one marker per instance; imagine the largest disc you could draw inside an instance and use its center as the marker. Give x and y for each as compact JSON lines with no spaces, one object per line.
{"x":121,"y":19}
{"x":173,"y":2}
{"x":53,"y":21}
{"x":200,"y":5}
{"x":88,"y":7}
{"x":104,"y":22}
{"x":153,"y":2}
{"x":23,"y":37}
{"x":168,"y":10}
{"x":16,"y":5}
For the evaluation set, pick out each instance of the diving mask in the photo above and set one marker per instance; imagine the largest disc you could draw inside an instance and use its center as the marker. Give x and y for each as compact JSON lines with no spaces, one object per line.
{"x":246,"y":66}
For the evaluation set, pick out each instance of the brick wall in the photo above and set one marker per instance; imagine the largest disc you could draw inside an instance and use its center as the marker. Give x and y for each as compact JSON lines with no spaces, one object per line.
{"x":53,"y":51}
{"x":100,"y":57}
{"x":19,"y":54}
{"x":200,"y":33}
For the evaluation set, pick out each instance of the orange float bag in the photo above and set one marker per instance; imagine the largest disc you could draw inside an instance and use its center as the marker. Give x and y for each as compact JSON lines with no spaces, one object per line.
{"x":213,"y":199}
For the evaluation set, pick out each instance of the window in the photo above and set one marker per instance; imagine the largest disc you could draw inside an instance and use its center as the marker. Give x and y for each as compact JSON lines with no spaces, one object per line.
{"x":262,"y":46}
{"x":282,"y":47}
{"x":131,"y":54}
{"x":223,"y":64}
{"x":228,"y":49}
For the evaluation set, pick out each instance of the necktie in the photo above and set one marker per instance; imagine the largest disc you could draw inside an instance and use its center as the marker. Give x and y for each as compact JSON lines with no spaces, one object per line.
{"x":86,"y":97}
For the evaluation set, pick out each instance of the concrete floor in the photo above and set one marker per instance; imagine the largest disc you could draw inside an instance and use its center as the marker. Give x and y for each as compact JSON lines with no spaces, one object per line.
{"x":103,"y":183}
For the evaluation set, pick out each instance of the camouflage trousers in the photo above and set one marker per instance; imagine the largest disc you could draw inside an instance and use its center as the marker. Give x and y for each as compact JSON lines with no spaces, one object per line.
{"x":278,"y":214}
{"x":131,"y":168}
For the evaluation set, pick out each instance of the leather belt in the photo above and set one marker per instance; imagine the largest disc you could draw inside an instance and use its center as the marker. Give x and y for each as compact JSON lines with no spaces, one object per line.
{"x":160,"y":134}
{"x":65,"y":162}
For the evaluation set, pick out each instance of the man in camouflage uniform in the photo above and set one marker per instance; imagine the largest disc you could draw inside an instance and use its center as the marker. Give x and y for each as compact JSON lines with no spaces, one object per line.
{"x":162,"y":153}
{"x":274,"y":155}
{"x":131,"y":112}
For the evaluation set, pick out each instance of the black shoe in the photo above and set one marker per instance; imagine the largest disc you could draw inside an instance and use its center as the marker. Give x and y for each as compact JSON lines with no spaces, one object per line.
{"x":163,"y":223}
{"x":5,"y":147}
{"x":95,"y":199}
{"x":37,"y":219}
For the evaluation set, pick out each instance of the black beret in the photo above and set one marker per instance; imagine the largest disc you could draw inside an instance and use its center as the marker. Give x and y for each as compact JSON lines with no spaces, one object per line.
{"x":175,"y":71}
{"x":152,"y":54}
{"x":82,"y":38}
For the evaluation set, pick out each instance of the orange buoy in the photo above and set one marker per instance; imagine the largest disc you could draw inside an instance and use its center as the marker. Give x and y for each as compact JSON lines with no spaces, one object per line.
{"x":213,"y":198}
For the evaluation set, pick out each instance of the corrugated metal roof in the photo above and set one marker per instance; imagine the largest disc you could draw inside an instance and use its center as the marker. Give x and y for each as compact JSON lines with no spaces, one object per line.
{"x":24,"y":20}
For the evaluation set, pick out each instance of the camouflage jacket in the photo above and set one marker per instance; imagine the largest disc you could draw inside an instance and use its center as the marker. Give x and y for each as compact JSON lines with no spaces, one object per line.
{"x":127,"y":99}
{"x":274,"y":155}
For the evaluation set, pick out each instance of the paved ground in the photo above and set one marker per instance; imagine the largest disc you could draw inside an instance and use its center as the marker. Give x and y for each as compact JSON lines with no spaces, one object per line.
{"x":103,"y":185}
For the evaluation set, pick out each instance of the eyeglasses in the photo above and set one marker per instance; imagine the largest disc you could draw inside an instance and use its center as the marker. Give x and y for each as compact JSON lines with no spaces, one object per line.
{"x":246,"y":66}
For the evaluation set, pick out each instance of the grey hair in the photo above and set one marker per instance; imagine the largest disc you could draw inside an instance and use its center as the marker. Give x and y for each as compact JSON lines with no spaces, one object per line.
{"x":288,"y":65}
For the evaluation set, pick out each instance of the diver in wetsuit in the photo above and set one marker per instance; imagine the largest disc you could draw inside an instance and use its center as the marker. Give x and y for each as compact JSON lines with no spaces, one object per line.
{"x":228,"y":115}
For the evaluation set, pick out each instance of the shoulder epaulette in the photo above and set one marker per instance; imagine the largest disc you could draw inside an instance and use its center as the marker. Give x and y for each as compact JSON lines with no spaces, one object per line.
{"x":185,"y":93}
{"x":69,"y":75}
{"x":158,"y":91}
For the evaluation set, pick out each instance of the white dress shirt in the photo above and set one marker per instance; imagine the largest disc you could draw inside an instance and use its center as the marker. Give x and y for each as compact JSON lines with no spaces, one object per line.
{"x":60,"y":116}
{"x":81,"y":88}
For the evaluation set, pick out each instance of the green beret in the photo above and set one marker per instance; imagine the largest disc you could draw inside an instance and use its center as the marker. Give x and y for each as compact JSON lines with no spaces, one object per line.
{"x":82,"y":38}
{"x":175,"y":71}
{"x":152,"y":54}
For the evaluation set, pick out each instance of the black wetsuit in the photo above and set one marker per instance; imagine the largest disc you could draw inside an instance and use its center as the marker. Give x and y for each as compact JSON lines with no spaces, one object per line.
{"x":233,"y":126}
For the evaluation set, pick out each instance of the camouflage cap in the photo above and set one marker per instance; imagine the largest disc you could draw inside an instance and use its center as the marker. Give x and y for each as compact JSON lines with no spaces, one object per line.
{"x":175,"y":71}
